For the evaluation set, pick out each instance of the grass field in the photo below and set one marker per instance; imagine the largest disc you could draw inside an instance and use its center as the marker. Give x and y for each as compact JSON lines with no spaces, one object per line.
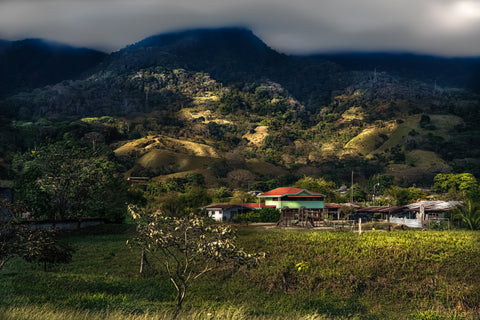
{"x":306,"y":275}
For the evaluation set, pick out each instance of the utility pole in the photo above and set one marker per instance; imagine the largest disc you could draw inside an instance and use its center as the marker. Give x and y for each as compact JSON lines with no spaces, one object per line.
{"x":376,"y":184}
{"x":351,"y":190}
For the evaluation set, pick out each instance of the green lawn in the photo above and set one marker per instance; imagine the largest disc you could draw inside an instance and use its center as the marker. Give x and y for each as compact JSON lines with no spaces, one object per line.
{"x":306,"y":275}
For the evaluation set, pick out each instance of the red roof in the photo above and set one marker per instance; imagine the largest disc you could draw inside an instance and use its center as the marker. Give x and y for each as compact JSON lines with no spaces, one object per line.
{"x":287,"y":191}
{"x":221,"y":206}
{"x":255,"y":205}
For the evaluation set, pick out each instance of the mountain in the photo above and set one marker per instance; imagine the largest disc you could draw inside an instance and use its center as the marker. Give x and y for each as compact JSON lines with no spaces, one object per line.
{"x":34,"y":63}
{"x":4,"y":44}
{"x":232,"y":56}
{"x":452,"y":72}
{"x":229,"y":52}
{"x":220,"y":102}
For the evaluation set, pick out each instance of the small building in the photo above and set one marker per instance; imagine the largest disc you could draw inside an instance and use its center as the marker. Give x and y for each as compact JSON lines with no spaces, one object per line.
{"x":419,"y":214}
{"x":377,"y":212}
{"x":138,"y":180}
{"x":293,"y":198}
{"x":225,"y":212}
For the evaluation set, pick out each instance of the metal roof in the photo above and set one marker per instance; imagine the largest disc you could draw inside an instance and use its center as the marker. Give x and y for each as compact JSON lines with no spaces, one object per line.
{"x":434,"y":205}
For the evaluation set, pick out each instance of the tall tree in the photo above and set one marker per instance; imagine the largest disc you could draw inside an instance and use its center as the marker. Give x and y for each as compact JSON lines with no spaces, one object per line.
{"x":60,"y":181}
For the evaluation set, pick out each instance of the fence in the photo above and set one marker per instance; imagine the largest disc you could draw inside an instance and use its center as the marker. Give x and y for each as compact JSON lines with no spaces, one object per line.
{"x":411,"y":223}
{"x":344,"y":225}
{"x":65,"y":224}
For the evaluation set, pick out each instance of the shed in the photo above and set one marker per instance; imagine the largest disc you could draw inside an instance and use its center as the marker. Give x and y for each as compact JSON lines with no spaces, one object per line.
{"x":225,"y":212}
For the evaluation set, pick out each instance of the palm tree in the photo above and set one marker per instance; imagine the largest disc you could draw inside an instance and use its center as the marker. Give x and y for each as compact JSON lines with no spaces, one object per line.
{"x":469,"y":214}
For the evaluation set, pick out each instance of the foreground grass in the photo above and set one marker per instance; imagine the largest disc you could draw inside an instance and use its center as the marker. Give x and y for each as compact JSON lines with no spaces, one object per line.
{"x":396,"y":275}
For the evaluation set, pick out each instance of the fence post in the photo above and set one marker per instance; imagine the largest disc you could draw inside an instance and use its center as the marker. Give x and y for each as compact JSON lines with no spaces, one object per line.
{"x":359,"y":226}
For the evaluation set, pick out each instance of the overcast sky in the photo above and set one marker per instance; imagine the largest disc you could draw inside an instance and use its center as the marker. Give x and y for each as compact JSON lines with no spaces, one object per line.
{"x":441,"y":27}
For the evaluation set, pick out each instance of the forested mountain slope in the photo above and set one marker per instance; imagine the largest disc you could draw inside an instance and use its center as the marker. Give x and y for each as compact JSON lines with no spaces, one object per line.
{"x":34,"y":63}
{"x":222,"y":103}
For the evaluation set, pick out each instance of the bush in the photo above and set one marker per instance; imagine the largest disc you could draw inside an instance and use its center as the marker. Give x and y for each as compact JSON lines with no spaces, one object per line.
{"x":269,"y":215}
{"x":261,"y":215}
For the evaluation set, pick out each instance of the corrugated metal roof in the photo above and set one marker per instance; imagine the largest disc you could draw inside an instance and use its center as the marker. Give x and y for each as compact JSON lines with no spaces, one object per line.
{"x":436,"y":205}
{"x":332,"y":205}
{"x":381,"y":209}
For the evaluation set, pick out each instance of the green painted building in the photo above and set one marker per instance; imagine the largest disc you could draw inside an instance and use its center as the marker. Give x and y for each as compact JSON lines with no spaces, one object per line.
{"x":294,"y":198}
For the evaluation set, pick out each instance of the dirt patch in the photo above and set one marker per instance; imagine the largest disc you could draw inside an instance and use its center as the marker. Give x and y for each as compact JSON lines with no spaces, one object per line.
{"x":258,"y":137}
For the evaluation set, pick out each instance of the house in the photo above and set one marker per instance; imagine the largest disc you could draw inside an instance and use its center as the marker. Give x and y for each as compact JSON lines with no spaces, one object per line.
{"x":225,"y":212}
{"x":332,"y":210}
{"x":293,"y":198}
{"x":299,"y":206}
{"x":377,"y":212}
{"x":418,"y":214}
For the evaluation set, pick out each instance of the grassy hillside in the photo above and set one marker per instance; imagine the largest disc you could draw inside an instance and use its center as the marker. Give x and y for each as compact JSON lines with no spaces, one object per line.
{"x":394,"y":275}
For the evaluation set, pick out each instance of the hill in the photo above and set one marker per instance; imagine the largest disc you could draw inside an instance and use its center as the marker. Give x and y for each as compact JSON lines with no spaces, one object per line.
{"x":223,"y":99}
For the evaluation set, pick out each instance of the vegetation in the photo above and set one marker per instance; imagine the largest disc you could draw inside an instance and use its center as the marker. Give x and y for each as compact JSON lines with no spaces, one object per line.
{"x":259,"y":215}
{"x":188,"y":247}
{"x":40,"y":245}
{"x":305,"y":275}
{"x":62,"y":181}
{"x":243,"y":120}
{"x":469,"y":215}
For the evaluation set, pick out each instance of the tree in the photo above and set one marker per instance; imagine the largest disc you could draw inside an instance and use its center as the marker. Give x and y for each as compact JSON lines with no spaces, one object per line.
{"x":17,"y":240}
{"x":240,"y":177}
{"x":399,"y":196}
{"x":242,"y":197}
{"x":380,"y":181}
{"x":317,"y":185}
{"x":60,"y":181}
{"x":42,"y":246}
{"x":195,"y":197}
{"x":463,"y":182}
{"x":188,"y":247}
{"x":10,"y":244}
{"x":358,"y":193}
{"x":469,"y":214}
{"x":221,"y":195}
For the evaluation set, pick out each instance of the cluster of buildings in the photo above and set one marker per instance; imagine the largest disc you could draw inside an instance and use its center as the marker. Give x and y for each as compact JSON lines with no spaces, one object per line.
{"x":304,"y":205}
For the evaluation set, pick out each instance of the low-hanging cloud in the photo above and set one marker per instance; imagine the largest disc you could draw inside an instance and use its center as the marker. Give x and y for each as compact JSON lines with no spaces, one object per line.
{"x":442,"y":27}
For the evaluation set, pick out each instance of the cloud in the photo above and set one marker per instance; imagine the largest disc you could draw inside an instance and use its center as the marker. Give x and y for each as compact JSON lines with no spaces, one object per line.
{"x":445,"y":27}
